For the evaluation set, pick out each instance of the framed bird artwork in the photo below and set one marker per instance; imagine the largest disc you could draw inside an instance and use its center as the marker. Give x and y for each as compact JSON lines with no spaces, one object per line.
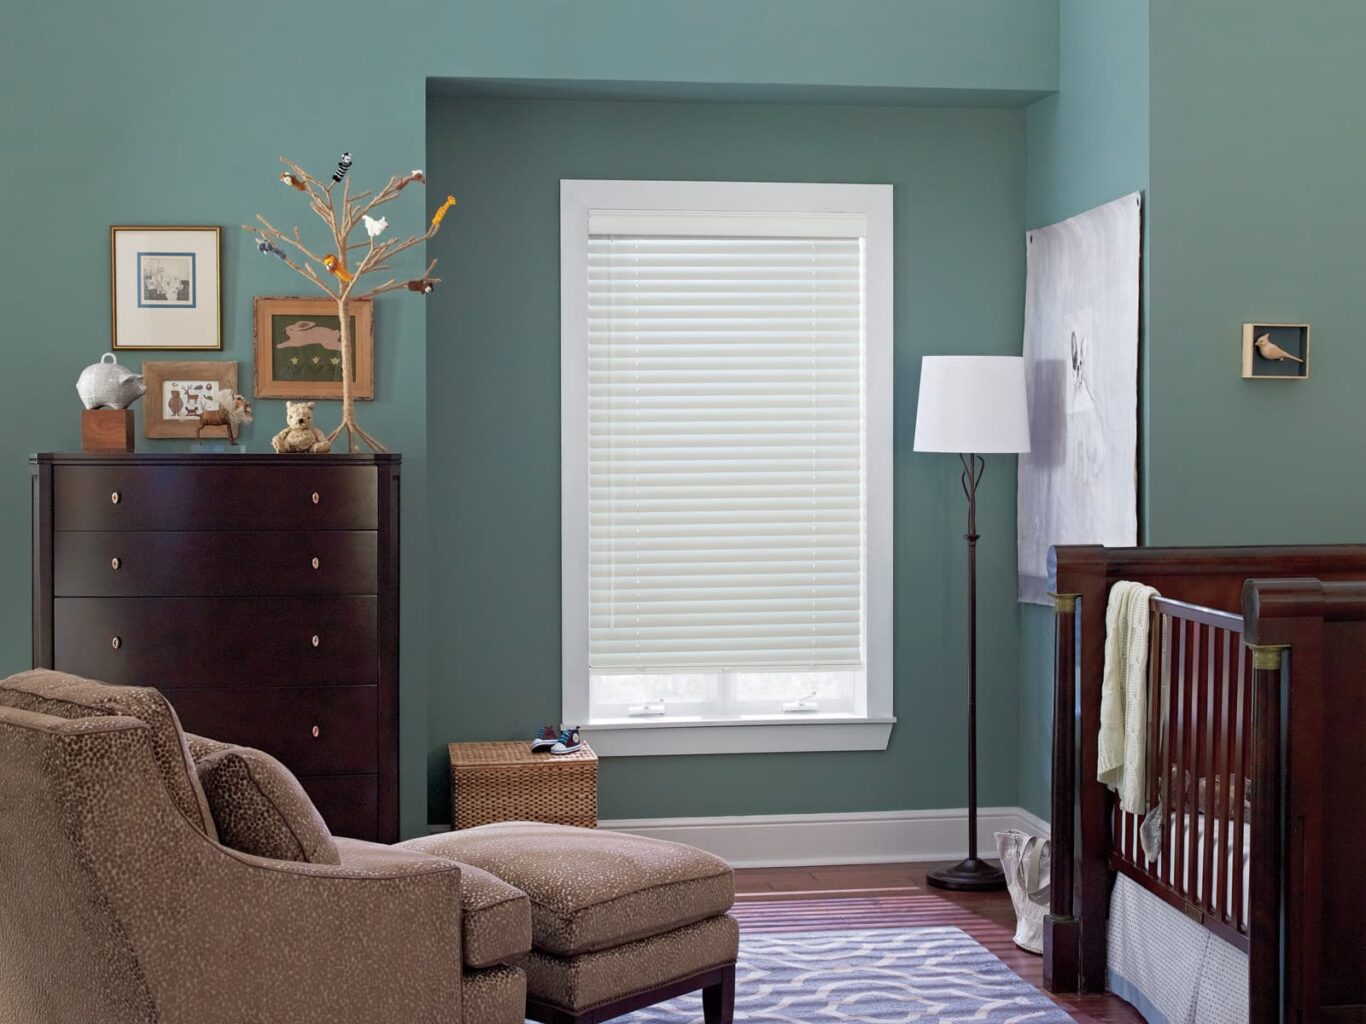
{"x":1276,"y":351}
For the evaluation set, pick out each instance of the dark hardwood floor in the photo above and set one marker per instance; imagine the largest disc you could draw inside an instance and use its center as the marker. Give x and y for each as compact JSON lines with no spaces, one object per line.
{"x":896,"y":895}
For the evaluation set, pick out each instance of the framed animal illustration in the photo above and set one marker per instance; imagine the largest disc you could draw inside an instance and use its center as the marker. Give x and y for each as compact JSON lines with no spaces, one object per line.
{"x":1276,"y":351}
{"x":165,"y":287}
{"x":179,"y":392}
{"x":298,"y":348}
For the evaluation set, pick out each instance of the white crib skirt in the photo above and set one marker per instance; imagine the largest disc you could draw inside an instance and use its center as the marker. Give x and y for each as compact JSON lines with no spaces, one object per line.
{"x":1171,"y":969}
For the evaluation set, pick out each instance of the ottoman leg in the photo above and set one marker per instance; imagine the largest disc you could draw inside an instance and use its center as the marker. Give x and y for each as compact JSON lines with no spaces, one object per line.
{"x":718,"y":1000}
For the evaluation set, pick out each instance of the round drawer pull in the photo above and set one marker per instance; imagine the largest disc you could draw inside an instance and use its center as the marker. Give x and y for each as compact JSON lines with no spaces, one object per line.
{"x":316,"y":732}
{"x":116,"y":643}
{"x":316,"y":640}
{"x":115,"y":563}
{"x":317,"y":497}
{"x":114,"y":498}
{"x":315,"y":563}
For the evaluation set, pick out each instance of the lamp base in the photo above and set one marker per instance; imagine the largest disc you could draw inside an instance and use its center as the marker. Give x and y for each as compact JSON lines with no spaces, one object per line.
{"x":971,"y":875}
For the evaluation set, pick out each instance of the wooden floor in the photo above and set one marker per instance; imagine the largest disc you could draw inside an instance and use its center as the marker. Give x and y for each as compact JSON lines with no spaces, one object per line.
{"x":896,"y":895}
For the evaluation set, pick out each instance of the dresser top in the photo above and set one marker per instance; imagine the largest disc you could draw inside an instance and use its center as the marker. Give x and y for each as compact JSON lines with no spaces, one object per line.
{"x":206,"y":459}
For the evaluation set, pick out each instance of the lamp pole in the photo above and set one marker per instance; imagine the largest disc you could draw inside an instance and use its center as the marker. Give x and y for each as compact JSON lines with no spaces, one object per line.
{"x":971,"y":874}
{"x":972,"y":406}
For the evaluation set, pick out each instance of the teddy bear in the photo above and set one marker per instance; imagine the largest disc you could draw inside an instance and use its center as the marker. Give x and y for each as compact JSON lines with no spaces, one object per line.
{"x":300,"y":435}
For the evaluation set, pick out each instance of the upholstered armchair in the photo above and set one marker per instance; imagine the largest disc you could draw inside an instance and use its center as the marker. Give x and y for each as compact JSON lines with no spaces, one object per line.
{"x":118,"y":902}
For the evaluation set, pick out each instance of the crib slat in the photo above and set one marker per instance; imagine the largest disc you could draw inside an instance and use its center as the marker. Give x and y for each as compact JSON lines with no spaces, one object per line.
{"x":1211,"y":720}
{"x":1243,"y":727}
{"x":1190,"y":885}
{"x":1176,"y":783}
{"x":1221,"y":803}
{"x":1152,"y":771}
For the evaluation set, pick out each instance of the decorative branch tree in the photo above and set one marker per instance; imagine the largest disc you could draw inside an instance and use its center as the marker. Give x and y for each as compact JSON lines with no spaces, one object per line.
{"x":342,"y":221}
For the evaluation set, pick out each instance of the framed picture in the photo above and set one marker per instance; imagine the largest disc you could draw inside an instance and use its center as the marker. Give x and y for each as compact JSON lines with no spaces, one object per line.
{"x":165,"y":287}
{"x":177,"y":392}
{"x":298,"y":348}
{"x":1276,"y":351}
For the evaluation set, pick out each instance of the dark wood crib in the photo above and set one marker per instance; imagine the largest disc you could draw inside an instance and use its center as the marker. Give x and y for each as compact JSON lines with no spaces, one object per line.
{"x":1256,"y":745}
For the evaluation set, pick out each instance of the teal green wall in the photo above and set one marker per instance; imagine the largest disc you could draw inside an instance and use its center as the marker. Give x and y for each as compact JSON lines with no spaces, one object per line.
{"x":493,"y":391}
{"x":1258,"y":146}
{"x":1086,"y":145}
{"x":162,"y":112}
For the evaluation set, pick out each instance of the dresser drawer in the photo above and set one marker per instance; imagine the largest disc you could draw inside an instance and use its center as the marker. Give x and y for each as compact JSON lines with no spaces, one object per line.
{"x":348,"y":803}
{"x":282,"y":722}
{"x":183,"y":642}
{"x":296,"y":494}
{"x":213,"y":565}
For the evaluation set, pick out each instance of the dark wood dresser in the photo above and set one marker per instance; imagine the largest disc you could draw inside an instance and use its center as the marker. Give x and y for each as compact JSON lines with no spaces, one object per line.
{"x":258,"y":592}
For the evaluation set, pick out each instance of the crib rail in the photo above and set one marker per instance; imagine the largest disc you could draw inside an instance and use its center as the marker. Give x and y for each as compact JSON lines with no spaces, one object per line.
{"x":1282,"y":725}
{"x":1196,"y":769}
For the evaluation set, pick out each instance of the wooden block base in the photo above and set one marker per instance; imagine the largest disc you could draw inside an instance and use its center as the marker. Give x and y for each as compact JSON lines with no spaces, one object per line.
{"x":107,"y":430}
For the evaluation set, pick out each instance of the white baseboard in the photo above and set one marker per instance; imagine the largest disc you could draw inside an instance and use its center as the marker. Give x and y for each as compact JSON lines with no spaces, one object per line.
{"x":798,"y":840}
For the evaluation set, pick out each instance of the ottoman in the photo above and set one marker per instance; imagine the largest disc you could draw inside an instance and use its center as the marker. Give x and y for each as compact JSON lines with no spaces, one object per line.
{"x":617,"y":922}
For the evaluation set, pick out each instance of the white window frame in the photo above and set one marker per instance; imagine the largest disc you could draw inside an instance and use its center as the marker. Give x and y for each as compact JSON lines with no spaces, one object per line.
{"x":869,"y":728}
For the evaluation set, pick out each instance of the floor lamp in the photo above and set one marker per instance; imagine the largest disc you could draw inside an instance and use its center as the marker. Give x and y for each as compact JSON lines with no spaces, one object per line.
{"x":972,"y":406}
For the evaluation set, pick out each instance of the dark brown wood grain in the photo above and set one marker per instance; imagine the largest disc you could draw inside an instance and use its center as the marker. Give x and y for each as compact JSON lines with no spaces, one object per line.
{"x":348,"y":803}
{"x":1062,"y":931}
{"x":329,"y":641}
{"x":315,"y":731}
{"x":208,"y":564}
{"x":1310,"y":718}
{"x":228,"y":494}
{"x":216,"y":601}
{"x":1306,"y":928}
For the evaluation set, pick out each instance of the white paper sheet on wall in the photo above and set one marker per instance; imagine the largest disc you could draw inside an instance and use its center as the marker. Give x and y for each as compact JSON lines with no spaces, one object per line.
{"x":1078,"y":484}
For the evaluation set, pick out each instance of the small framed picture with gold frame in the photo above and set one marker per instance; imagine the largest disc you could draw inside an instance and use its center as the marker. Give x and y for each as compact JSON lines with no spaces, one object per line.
{"x":298,"y":348}
{"x":165,"y":287}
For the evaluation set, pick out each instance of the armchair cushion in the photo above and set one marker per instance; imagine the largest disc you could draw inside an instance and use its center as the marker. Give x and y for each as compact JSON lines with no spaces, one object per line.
{"x":260,"y":808}
{"x":66,"y":696}
{"x":496,"y":916}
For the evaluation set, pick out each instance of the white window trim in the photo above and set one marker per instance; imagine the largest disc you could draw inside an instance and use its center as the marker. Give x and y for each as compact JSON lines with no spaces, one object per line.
{"x":869,"y":731}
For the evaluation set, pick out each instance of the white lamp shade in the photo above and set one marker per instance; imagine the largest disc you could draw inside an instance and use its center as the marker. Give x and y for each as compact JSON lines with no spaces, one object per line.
{"x":972,"y":404}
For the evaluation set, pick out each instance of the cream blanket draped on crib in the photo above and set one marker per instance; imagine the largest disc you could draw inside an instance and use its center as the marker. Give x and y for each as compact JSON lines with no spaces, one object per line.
{"x":1121,"y":761}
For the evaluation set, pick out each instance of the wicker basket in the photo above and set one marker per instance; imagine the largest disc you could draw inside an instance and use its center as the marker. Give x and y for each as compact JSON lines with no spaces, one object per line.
{"x":506,"y":782}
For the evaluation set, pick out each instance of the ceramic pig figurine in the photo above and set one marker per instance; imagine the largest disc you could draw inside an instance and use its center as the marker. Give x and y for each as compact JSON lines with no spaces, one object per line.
{"x":107,"y":385}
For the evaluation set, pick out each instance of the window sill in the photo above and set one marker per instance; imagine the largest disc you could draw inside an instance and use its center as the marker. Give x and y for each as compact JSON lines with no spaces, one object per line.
{"x":756,"y":735}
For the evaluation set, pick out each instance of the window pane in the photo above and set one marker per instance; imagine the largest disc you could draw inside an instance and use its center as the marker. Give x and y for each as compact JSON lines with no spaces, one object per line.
{"x":777,"y":687}
{"x":647,"y":689}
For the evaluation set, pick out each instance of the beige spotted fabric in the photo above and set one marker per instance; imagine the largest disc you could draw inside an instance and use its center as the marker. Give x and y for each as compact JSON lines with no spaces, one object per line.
{"x":201,"y":746}
{"x":495,"y":996}
{"x":593,"y":890}
{"x":114,"y":908}
{"x":260,"y":808}
{"x":68,"y":696}
{"x":496,"y":917}
{"x":576,"y":984}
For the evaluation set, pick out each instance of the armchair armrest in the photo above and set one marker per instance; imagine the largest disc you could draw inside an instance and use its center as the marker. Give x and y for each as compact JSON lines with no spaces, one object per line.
{"x":374,"y":938}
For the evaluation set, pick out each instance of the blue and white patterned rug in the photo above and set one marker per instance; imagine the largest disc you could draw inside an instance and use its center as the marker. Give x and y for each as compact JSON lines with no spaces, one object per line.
{"x":878,"y":976}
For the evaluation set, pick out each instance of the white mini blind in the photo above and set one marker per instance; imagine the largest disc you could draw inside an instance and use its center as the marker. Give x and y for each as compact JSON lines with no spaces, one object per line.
{"x":726,"y":442}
